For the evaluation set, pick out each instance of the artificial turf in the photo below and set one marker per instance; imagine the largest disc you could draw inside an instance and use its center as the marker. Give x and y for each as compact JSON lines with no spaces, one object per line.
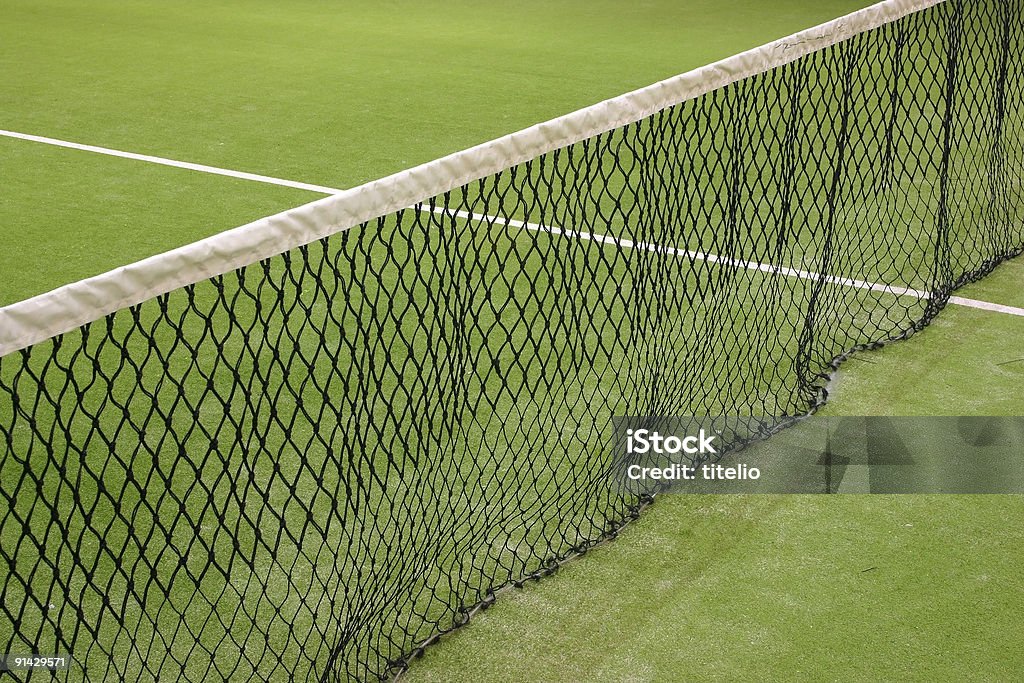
{"x":852,"y":588}
{"x":297,"y":90}
{"x":321,"y":92}
{"x":66,"y":215}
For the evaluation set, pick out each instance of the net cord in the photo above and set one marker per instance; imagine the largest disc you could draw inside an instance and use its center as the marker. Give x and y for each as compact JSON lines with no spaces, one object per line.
{"x":62,"y":310}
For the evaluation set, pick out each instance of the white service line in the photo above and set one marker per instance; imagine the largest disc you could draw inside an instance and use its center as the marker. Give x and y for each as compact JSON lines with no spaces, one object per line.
{"x":171,"y":162}
{"x":575,"y":234}
{"x":740,"y":263}
{"x":986,"y":306}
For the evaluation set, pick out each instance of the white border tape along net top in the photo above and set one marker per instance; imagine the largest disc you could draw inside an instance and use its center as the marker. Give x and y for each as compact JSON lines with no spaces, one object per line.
{"x":67,"y":308}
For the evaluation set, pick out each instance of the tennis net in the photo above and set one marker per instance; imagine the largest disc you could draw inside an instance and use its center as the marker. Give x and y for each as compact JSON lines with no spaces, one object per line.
{"x":304,"y":448}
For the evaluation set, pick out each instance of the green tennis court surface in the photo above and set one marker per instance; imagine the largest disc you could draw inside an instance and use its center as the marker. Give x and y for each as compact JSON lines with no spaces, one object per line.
{"x":337,"y":95}
{"x":309,"y":91}
{"x":864,"y":588}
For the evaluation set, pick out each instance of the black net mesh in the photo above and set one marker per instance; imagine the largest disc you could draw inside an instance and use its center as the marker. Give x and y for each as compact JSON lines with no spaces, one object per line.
{"x":308,"y":468}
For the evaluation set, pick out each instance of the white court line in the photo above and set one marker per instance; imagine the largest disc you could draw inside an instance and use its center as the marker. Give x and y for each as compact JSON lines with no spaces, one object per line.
{"x":739,"y":263}
{"x":202,"y":168}
{"x":986,"y":306}
{"x":603,"y":239}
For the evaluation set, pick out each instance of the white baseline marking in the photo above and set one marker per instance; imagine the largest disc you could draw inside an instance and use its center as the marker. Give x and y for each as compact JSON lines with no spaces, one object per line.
{"x":575,"y":234}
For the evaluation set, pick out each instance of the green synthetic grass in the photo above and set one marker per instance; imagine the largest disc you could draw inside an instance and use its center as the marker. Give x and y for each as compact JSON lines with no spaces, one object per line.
{"x":967,"y":362}
{"x":248,"y":90}
{"x":853,"y":588}
{"x":1004,"y":289}
{"x":316,"y":91}
{"x":67,"y":215}
{"x":737,"y":588}
{"x":338,"y":93}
